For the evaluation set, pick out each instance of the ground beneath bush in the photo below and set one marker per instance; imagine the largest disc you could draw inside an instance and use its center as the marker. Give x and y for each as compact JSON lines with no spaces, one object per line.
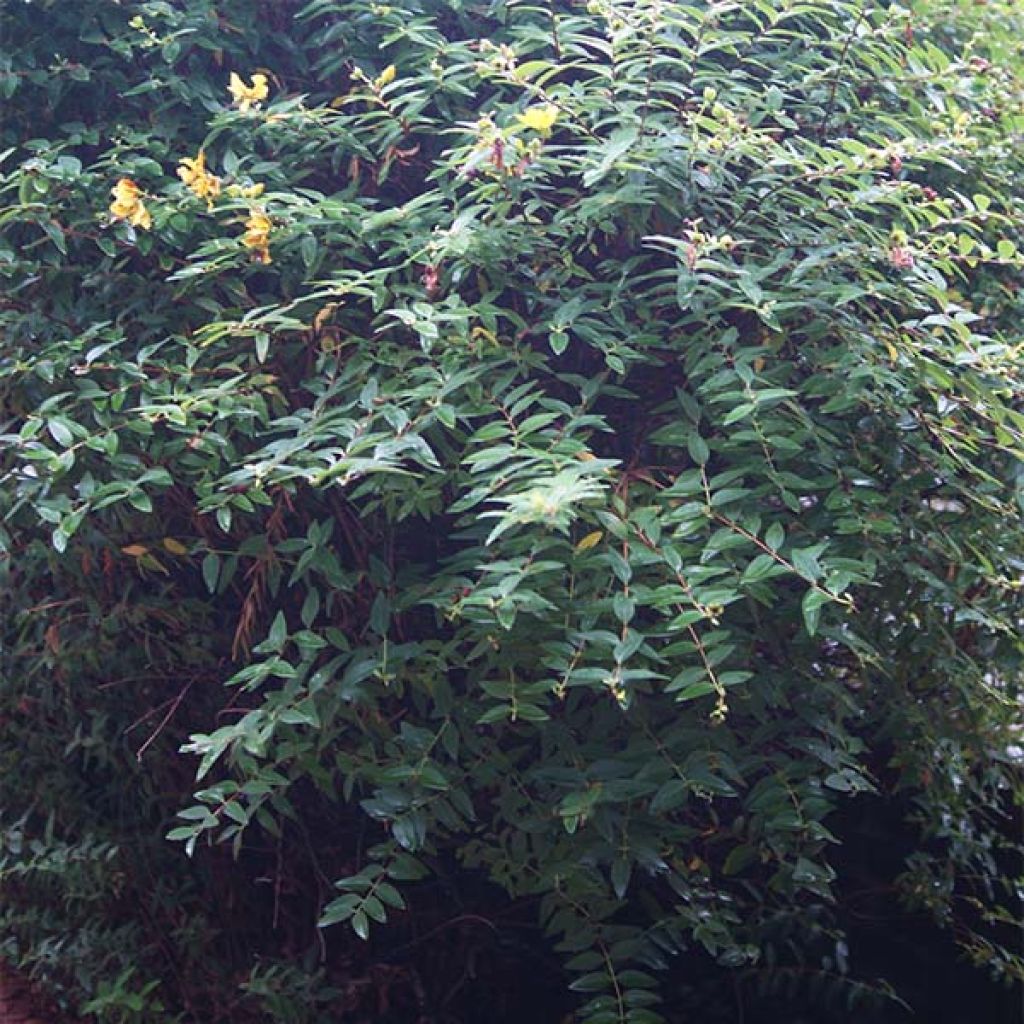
{"x":17,"y":1003}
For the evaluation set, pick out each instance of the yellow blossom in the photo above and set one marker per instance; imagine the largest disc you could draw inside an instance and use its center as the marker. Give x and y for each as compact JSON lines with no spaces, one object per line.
{"x":195,"y":175}
{"x":247,"y":96}
{"x":257,"y":235}
{"x":128,"y":204}
{"x":540,"y":119}
{"x":386,"y":77}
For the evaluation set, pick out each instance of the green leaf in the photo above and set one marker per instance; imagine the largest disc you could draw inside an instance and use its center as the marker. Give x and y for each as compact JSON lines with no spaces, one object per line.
{"x":740,"y":412}
{"x":698,"y":448}
{"x":60,"y":432}
{"x":805,"y":561}
{"x":671,"y":795}
{"x":559,"y":341}
{"x":621,"y":870}
{"x":811,"y":610}
{"x":360,"y":925}
{"x":211,"y":571}
{"x":278,"y":633}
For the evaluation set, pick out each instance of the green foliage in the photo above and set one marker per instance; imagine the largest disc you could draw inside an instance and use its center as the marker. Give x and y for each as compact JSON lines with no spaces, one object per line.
{"x":593,"y":459}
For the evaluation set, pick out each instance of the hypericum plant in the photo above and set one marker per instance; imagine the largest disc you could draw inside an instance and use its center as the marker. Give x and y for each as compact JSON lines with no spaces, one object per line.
{"x":579,"y":441}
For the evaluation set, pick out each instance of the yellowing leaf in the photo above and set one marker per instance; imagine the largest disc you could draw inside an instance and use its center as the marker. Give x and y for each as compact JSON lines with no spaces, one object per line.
{"x":325,"y":314}
{"x":175,"y":547}
{"x":482,"y":332}
{"x":135,"y":550}
{"x":591,"y":540}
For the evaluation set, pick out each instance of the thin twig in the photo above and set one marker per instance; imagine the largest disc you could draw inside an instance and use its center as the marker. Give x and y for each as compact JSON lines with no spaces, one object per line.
{"x":163,"y":721}
{"x":830,"y":109}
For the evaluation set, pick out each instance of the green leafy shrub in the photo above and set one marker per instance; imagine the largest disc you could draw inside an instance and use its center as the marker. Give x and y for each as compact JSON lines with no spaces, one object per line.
{"x":575,"y":443}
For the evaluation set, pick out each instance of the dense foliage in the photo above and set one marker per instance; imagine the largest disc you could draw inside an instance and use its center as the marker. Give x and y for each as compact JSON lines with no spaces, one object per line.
{"x":565,"y":450}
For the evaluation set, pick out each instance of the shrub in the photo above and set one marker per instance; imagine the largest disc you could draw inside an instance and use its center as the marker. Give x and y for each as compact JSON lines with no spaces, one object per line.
{"x":575,"y":443}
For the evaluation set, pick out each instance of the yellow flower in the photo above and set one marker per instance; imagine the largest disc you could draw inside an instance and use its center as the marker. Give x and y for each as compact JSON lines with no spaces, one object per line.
{"x":247,"y":96}
{"x":195,"y":175}
{"x":125,"y":193}
{"x":386,"y":76}
{"x":540,"y":119}
{"x":257,"y":235}
{"x":128,"y":205}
